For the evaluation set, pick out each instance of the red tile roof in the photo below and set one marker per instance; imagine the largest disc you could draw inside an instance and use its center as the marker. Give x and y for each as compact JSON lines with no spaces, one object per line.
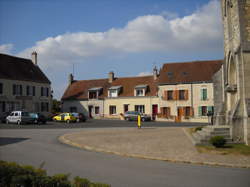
{"x":172,"y":73}
{"x":16,"y":68}
{"x":79,"y":89}
{"x":187,"y":72}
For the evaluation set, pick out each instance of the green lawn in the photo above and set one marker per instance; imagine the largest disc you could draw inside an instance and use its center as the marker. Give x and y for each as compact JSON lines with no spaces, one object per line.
{"x":236,"y":149}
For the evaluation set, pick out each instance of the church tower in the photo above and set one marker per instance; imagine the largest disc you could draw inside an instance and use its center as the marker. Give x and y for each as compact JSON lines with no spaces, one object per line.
{"x":236,"y":68}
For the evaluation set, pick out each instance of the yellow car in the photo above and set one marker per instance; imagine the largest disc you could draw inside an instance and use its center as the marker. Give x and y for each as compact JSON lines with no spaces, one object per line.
{"x":67,"y":117}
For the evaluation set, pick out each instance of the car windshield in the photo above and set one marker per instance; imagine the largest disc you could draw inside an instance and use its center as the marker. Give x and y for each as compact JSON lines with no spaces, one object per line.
{"x":33,"y":115}
{"x":25,"y":114}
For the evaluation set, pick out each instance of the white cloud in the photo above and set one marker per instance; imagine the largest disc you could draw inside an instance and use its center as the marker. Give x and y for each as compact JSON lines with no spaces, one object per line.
{"x":144,"y":74}
{"x":6,"y":48}
{"x":198,"y":32}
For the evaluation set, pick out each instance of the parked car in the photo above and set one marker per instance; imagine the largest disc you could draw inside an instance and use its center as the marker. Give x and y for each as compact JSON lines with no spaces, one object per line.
{"x":65,"y":117}
{"x":38,"y":118}
{"x":19,"y":117}
{"x":133,"y":116}
{"x":3,"y":117}
{"x":79,"y":117}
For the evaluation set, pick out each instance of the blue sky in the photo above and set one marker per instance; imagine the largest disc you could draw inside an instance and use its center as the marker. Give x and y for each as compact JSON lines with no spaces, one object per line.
{"x":127,"y":37}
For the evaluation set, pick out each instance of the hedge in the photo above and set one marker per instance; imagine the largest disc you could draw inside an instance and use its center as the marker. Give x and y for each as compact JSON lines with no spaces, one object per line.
{"x":12,"y":174}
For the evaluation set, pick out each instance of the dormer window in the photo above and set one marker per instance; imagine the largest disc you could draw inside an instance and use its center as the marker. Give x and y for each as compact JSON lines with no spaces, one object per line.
{"x":140,"y":90}
{"x":114,"y":91}
{"x":94,"y":93}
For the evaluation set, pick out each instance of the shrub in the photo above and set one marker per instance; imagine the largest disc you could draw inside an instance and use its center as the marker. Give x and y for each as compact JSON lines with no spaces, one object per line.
{"x":218,"y":141}
{"x":12,"y":174}
{"x":198,"y":129}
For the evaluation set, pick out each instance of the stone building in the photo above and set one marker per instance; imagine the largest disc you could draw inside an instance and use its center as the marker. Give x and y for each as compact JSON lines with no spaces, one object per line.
{"x":234,"y":108}
{"x":23,"y":86}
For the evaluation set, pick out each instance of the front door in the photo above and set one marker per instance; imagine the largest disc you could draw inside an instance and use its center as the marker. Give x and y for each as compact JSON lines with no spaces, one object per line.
{"x":179,"y":114}
{"x":154,"y":111}
{"x":90,"y":111}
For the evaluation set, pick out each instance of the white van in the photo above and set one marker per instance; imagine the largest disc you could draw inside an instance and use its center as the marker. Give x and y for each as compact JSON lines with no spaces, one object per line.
{"x":18,"y":117}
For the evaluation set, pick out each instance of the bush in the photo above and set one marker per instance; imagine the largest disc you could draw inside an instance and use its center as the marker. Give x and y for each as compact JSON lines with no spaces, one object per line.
{"x":218,"y":141}
{"x":12,"y":174}
{"x":198,"y":129}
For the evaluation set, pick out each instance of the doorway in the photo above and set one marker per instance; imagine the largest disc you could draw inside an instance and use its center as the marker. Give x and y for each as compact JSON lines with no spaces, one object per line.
{"x":179,"y":114}
{"x":90,"y":111}
{"x":154,"y":111}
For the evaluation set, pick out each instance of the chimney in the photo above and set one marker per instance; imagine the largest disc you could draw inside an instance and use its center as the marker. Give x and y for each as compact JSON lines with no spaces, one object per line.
{"x":155,"y":73}
{"x":71,"y":78}
{"x":111,"y":76}
{"x":34,"y":57}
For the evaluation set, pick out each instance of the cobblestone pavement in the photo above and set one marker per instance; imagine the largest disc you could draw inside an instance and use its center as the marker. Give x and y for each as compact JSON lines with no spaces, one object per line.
{"x":170,"y":144}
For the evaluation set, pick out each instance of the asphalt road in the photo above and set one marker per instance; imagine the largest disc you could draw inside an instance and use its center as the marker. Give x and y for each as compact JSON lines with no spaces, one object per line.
{"x":97,"y":124}
{"x":37,"y":146}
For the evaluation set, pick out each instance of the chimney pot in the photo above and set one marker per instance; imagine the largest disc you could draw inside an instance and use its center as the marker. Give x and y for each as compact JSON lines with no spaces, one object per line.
{"x":155,"y":73}
{"x":34,"y":57}
{"x":111,"y":76}
{"x":71,"y":78}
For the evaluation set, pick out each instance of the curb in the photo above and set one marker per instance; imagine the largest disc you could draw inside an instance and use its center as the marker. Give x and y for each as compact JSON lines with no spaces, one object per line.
{"x":64,"y":140}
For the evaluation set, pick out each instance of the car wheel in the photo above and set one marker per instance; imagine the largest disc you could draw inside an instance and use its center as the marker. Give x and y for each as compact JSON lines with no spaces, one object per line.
{"x":143,"y":119}
{"x":36,"y":122}
{"x":67,"y":121}
{"x":18,"y":122}
{"x":78,"y":120}
{"x":7,"y":121}
{"x":127,"y":119}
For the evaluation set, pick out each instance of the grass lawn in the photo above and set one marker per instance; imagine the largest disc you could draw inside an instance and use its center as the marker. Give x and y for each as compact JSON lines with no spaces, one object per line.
{"x":236,"y":149}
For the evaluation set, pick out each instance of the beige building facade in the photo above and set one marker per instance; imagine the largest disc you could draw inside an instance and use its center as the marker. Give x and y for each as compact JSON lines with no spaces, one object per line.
{"x":185,"y":96}
{"x":24,"y":87}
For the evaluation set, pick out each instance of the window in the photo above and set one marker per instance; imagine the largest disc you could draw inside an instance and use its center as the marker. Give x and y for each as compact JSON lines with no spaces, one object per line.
{"x":139,"y":92}
{"x":73,"y":109}
{"x":181,"y":94}
{"x":112,"y":109}
{"x":44,"y":91}
{"x":113,"y":93}
{"x":140,"y":108}
{"x":44,"y":107}
{"x":165,"y":111}
{"x":170,"y":95}
{"x":187,"y":111}
{"x":203,"y":110}
{"x":125,"y":107}
{"x":33,"y":90}
{"x":28,"y":90}
{"x":92,"y":95}
{"x":17,"y":89}
{"x":204,"y":94}
{"x":97,"y":110}
{"x":1,"y":88}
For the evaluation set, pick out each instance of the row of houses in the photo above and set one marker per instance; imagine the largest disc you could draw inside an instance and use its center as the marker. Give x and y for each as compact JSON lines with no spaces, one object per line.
{"x":23,"y":86}
{"x":181,"y":92}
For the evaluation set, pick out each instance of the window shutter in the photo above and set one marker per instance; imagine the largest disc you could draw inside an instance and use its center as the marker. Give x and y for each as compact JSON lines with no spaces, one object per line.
{"x":165,"y":95}
{"x":205,"y":94}
{"x":210,"y":109}
{"x":14,"y":89}
{"x":201,"y":94}
{"x":161,"y":110}
{"x":176,"y":94}
{"x":186,"y":94}
{"x":200,"y":111}
{"x":21,"y":90}
{"x":184,"y":111}
{"x":191,"y":111}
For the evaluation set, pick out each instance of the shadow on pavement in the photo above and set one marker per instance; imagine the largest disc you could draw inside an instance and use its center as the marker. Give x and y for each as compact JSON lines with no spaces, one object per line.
{"x":8,"y":140}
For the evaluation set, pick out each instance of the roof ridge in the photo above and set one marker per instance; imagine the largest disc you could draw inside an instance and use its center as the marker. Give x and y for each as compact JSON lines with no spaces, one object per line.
{"x":12,"y":56}
{"x":196,"y":61}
